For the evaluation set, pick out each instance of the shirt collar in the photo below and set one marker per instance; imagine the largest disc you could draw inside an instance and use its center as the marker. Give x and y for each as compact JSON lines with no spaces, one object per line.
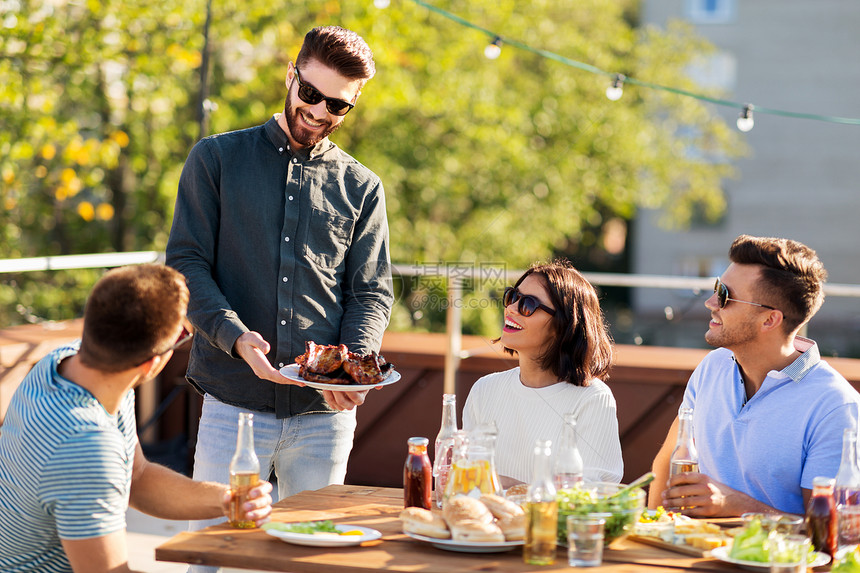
{"x":809,"y":357}
{"x":279,"y":139}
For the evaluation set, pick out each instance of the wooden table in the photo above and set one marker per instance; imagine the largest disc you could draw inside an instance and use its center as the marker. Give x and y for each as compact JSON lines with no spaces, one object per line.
{"x":378,"y":508}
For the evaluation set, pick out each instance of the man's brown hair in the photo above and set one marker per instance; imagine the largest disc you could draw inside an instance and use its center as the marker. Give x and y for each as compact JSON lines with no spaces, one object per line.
{"x":792,"y":277}
{"x":339,"y":49}
{"x":131,"y":315}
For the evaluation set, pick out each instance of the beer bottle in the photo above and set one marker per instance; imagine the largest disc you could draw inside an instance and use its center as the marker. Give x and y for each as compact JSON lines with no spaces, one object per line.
{"x":542,"y":510}
{"x":244,"y":471}
{"x":567,"y":469}
{"x":417,"y":474}
{"x":444,"y":447}
{"x":684,"y":458}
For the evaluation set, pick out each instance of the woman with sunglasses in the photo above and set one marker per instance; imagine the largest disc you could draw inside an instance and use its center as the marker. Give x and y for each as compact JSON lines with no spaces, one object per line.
{"x":553,"y":324}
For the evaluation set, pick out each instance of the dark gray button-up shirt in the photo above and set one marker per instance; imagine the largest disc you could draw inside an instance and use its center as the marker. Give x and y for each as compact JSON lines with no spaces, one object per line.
{"x":292,"y":244}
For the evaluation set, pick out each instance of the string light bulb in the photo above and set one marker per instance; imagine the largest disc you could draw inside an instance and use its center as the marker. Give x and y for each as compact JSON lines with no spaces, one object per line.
{"x":493,"y":49}
{"x":745,"y":118}
{"x":382,"y":4}
{"x":616,"y":89}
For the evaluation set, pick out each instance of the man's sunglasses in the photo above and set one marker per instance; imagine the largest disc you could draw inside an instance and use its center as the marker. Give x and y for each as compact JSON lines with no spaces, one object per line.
{"x":310,"y":95}
{"x":723,"y":296}
{"x":184,"y":337}
{"x":528,"y":304}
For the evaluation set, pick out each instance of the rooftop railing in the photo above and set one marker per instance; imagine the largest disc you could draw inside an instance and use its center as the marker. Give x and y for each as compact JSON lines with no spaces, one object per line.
{"x":455,"y":275}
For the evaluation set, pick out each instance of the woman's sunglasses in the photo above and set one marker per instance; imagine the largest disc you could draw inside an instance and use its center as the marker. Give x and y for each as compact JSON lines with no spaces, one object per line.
{"x":723,"y":296}
{"x":310,"y":95}
{"x":528,"y":304}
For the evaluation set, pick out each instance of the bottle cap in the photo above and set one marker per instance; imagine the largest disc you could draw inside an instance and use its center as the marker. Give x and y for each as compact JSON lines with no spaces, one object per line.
{"x":823,"y":481}
{"x":418,"y":441}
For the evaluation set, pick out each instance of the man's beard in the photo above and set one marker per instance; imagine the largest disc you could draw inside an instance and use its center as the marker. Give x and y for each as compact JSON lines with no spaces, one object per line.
{"x":738,"y":335}
{"x":301,"y":135}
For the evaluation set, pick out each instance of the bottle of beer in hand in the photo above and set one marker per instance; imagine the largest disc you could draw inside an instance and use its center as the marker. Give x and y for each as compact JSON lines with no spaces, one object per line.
{"x":684,"y":458}
{"x":244,"y":472}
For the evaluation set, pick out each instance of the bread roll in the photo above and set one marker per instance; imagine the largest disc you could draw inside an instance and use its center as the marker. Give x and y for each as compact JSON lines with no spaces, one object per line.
{"x":462,"y":508}
{"x":519,"y":489}
{"x":424,"y":522}
{"x":501,"y":507}
{"x":513,"y":527}
{"x":476,"y":531}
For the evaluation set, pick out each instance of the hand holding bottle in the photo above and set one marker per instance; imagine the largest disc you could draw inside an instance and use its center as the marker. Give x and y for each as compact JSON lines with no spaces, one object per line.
{"x":256,"y":507}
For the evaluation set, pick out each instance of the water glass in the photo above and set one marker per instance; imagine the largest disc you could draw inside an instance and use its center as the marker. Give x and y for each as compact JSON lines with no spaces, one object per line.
{"x":788,"y":553}
{"x":585,"y":540}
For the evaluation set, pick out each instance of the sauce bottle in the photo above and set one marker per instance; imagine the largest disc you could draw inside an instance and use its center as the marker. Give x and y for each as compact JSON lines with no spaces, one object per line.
{"x":443,"y":450}
{"x":821,"y":516}
{"x":542,"y":510}
{"x":417,"y":475}
{"x":244,"y":472}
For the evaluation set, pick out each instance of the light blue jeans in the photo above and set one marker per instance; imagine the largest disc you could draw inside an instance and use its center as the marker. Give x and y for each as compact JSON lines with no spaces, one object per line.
{"x":306,"y":452}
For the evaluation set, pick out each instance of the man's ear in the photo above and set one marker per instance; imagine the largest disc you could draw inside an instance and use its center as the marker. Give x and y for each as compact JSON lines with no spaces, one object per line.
{"x":774,"y":320}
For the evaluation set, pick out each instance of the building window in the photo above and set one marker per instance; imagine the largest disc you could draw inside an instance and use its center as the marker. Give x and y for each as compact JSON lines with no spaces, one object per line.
{"x":710,"y":11}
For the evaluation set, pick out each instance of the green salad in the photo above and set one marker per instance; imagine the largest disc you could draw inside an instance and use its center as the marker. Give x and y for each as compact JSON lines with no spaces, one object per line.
{"x":621,"y":510}
{"x":309,"y":527}
{"x":848,"y":563}
{"x":751,"y":543}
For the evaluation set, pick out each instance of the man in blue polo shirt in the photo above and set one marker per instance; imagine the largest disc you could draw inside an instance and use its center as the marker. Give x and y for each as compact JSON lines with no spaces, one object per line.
{"x":769,"y":414}
{"x":70,"y":461}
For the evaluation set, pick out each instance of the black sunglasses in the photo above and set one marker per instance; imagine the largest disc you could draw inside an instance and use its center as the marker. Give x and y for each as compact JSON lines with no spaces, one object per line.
{"x":183,"y":337}
{"x":528,"y":304}
{"x":310,"y":95}
{"x":723,"y":296}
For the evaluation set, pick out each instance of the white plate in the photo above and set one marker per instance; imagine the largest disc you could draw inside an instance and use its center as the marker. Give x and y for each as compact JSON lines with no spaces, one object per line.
{"x":331,"y":540}
{"x":722,"y":553}
{"x":291,"y":371}
{"x":467,"y":546}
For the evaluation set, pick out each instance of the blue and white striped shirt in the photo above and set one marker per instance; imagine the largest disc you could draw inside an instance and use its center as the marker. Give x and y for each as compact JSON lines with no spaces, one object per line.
{"x":65,"y":468}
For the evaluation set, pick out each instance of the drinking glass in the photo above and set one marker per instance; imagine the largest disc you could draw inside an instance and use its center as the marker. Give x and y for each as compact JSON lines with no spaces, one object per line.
{"x":788,"y":553}
{"x":585,"y":540}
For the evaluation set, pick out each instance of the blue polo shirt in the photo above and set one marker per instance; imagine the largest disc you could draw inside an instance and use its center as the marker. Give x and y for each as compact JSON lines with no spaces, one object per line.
{"x":65,"y":468}
{"x":789,"y":432}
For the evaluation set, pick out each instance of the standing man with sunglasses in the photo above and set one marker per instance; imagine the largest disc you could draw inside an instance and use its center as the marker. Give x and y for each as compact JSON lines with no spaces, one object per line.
{"x":283,"y":238}
{"x":768,"y":413}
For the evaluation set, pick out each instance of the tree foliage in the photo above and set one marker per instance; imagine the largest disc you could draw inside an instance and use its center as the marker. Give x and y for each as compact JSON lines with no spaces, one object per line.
{"x":484,"y":161}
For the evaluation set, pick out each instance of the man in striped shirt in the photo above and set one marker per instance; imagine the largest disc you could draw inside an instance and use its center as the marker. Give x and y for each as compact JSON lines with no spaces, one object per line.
{"x":70,"y":461}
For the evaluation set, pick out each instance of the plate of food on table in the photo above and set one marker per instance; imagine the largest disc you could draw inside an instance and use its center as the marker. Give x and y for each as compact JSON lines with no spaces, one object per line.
{"x":488,"y":524}
{"x":334,"y":367}
{"x":320,"y":533}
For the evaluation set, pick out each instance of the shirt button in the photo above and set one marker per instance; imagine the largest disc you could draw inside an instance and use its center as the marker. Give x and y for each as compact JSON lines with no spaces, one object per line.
{"x":281,"y":364}
{"x":287,"y":239}
{"x":291,"y":197}
{"x":283,"y":322}
{"x":285,"y":279}
{"x":280,"y":150}
{"x":295,"y":160}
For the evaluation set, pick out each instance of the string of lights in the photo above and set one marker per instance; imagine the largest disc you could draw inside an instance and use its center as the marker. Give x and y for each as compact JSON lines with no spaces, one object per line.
{"x":615,"y":90}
